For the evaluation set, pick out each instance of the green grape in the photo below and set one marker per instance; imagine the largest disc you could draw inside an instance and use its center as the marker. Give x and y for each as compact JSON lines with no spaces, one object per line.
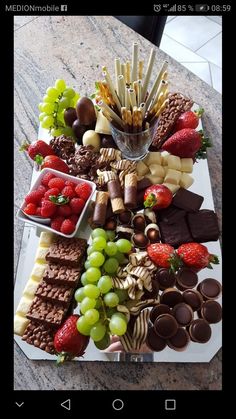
{"x":69,"y":92}
{"x":120,"y":257}
{"x":98,"y":304}
{"x":111,"y":235}
{"x":40,"y":106}
{"x":55,"y":132}
{"x":91,"y":291}
{"x":52,"y":92}
{"x":111,"y":299}
{"x":93,"y":274}
{"x":83,"y":279}
{"x":92,"y":316}
{"x":63,"y":104}
{"x":110,"y":249}
{"x":48,"y":108}
{"x":90,"y":249}
{"x":99,"y":232}
{"x":104,"y":284}
{"x":60,"y":85}
{"x":79,"y":295}
{"x":87,"y":304}
{"x":121,"y":316}
{"x":111,"y":265}
{"x":68,"y":132}
{"x":48,"y":99}
{"x":117,"y":325}
{"x":98,"y":331}
{"x":87,"y":265}
{"x":96,"y":259}
{"x":124,"y":246}
{"x":41,"y":116}
{"x":122,"y":295}
{"x":47,"y":122}
{"x":82,"y":326}
{"x":99,"y":243}
{"x":103,"y":343}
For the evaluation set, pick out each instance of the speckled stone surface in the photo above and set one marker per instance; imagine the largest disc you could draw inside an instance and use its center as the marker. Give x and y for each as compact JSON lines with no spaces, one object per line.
{"x":74,"y":48}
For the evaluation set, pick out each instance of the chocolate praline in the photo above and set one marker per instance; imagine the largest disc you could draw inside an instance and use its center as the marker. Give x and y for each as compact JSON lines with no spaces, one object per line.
{"x":140,"y":240}
{"x":180,"y":340}
{"x":139,"y":222}
{"x":200,"y":331}
{"x":158,"y":310}
{"x":183,"y":314}
{"x":155,"y":342}
{"x":211,"y":311}
{"x":171,"y":297}
{"x":209,"y":288}
{"x":125,"y":217}
{"x":110,"y":224}
{"x":153,"y":235}
{"x":165,"y":326}
{"x":165,"y":278}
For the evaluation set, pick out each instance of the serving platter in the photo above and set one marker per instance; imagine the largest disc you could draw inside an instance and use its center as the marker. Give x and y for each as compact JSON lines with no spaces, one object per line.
{"x":195,"y":352}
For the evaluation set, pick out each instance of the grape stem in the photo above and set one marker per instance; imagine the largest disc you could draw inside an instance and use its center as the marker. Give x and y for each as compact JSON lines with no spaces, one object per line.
{"x":104,"y":311}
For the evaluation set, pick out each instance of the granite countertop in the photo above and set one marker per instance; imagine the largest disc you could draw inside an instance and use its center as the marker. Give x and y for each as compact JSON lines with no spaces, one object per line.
{"x":74,"y":48}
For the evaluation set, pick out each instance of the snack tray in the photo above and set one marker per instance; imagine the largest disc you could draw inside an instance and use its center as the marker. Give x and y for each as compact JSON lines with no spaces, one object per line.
{"x":195,"y":352}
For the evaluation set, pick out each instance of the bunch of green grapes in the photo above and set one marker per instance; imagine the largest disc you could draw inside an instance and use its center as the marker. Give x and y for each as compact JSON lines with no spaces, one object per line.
{"x":56,"y":100}
{"x":98,"y":299}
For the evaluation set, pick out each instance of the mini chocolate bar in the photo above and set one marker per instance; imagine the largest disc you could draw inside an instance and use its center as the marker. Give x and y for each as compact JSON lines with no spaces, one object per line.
{"x":115,"y":194}
{"x":100,"y":209}
{"x":175,"y":234}
{"x":203,"y":226}
{"x":45,"y":312}
{"x":130,"y":190}
{"x":40,"y":336}
{"x":62,"y":275}
{"x":171,"y":214}
{"x":61,"y":294}
{"x":187,"y":200}
{"x":67,"y":251}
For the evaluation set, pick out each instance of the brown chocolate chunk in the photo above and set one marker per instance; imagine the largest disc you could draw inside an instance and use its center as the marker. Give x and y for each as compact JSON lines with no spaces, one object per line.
{"x":171,"y":214}
{"x":175,"y":234}
{"x":40,"y":336}
{"x":203,"y":225}
{"x":45,"y":312}
{"x":187,"y":200}
{"x":62,"y":275}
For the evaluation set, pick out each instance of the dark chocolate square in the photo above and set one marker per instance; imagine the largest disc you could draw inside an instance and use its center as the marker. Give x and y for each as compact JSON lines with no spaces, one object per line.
{"x":67,"y":251}
{"x":61,"y":294}
{"x":46,"y":312}
{"x":175,"y":234}
{"x":62,"y":275}
{"x":187,"y":200}
{"x":203,"y":226}
{"x":170,"y":214}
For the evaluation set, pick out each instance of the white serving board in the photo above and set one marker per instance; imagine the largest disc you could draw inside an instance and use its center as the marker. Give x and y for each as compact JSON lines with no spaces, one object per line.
{"x":195,"y":352}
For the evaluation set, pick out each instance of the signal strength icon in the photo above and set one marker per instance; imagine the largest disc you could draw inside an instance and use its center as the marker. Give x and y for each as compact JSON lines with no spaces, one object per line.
{"x":191,"y":8}
{"x":165,"y":6}
{"x":172,"y":9}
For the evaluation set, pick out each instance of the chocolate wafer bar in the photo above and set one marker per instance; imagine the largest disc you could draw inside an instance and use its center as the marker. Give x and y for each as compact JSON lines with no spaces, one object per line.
{"x":62,"y":275}
{"x":203,"y":225}
{"x":40,"y":336}
{"x":45,"y":312}
{"x":175,"y":234}
{"x":61,"y":294}
{"x":67,"y":252}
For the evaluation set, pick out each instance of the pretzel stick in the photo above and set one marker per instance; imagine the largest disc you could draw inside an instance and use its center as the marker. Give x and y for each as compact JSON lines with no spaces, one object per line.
{"x":156,"y":83}
{"x":127,"y":101}
{"x":110,"y":112}
{"x":139,"y":91}
{"x":111,"y":87}
{"x":134,"y":73}
{"x":148,"y":73}
{"x":132,"y":97}
{"x":117,"y":71}
{"x":155,"y":100}
{"x":121,"y":89}
{"x":140,"y":69}
{"x":123,"y":71}
{"x":127,"y":66}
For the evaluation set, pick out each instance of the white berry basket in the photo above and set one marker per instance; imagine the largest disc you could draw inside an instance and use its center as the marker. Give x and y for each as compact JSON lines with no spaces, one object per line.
{"x":41,"y":225}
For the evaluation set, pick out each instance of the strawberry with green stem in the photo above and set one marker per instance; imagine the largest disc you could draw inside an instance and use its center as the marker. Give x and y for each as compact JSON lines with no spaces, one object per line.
{"x":189,"y":119}
{"x":37,"y":149}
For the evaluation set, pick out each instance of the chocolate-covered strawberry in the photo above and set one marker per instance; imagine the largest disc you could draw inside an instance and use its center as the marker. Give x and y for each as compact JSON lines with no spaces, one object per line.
{"x":189,"y":119}
{"x":68,"y":342}
{"x":157,"y":197}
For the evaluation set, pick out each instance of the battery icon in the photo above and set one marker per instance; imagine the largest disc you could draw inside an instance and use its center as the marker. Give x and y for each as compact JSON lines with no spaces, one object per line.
{"x":201,"y":8}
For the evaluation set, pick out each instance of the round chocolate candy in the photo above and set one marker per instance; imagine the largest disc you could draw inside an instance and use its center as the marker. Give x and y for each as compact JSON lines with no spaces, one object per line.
{"x":140,"y":240}
{"x":171,"y":297}
{"x":186,"y":278}
{"x":125,"y":217}
{"x":200,"y":331}
{"x":209,"y":288}
{"x":110,"y":224}
{"x":155,"y":342}
{"x":139,"y":222}
{"x":193,"y":298}
{"x":180,"y":340}
{"x":165,"y":326}
{"x":211,"y":311}
{"x":165,"y":278}
{"x":158,"y":310}
{"x":151,"y":294}
{"x":124,"y":232}
{"x":183,"y":314}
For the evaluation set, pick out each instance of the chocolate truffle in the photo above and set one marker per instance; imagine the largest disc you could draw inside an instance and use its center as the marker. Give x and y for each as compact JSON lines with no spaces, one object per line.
{"x":209,"y":288}
{"x":183,"y":313}
{"x":180,"y":340}
{"x":140,"y":240}
{"x":186,"y":278}
{"x":158,"y":310}
{"x":155,"y":342}
{"x":211,"y":311}
{"x":125,"y":217}
{"x":165,"y":278}
{"x":171,"y":297}
{"x":200,"y":331}
{"x":193,"y":298}
{"x":165,"y":326}
{"x":139,"y":222}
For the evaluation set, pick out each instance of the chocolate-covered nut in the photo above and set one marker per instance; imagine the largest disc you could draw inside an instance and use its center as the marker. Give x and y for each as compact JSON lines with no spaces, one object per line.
{"x":186,"y":278}
{"x":138,"y":222}
{"x":155,"y":342}
{"x":165,"y":326}
{"x":165,"y":278}
{"x":200,"y":331}
{"x":150,"y":216}
{"x":209,"y":288}
{"x":152,"y":232}
{"x":110,"y":224}
{"x":180,"y":340}
{"x":158,"y":310}
{"x":125,"y":217}
{"x":211,"y":311}
{"x":124,"y":232}
{"x":183,"y":313}
{"x":140,"y":240}
{"x":171,"y":297}
{"x":193,"y":298}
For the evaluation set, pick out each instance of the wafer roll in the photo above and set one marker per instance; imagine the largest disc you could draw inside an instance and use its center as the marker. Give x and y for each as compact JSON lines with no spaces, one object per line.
{"x":130,"y":190}
{"x":115,"y":194}
{"x":99,"y":214}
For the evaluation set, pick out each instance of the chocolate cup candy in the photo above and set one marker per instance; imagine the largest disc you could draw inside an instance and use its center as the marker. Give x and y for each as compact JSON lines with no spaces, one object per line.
{"x":193,"y":298}
{"x":186,"y":278}
{"x":211,"y":311}
{"x":171,"y":297}
{"x":158,"y":310}
{"x":183,"y":313}
{"x":165,"y":278}
{"x":155,"y":342}
{"x":180,"y":340}
{"x":209,"y":288}
{"x":200,"y":331}
{"x":165,"y":326}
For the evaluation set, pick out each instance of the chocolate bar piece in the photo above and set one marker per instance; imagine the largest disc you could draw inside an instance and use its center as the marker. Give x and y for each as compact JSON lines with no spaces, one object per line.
{"x":175,"y":234}
{"x":62,"y":275}
{"x":45,"y":312}
{"x":171,"y":214}
{"x":67,"y":251}
{"x":130,"y":190}
{"x":40,"y":336}
{"x":203,"y":226}
{"x":187,"y":200}
{"x":61,"y":294}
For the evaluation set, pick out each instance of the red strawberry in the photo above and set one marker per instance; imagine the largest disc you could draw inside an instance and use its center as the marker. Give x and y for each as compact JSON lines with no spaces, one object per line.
{"x":56,"y":182}
{"x":68,"y":191}
{"x":51,"y":192}
{"x":74,"y":218}
{"x":83,"y":190}
{"x":68,"y":342}
{"x":33,"y":197}
{"x":46,"y":178}
{"x":77,"y":205}
{"x":161,"y":254}
{"x":30,"y":209}
{"x":54,"y":162}
{"x":38,"y":148}
{"x":157,"y":197}
{"x":57,"y":222}
{"x":184,"y":143}
{"x":70,"y":183}
{"x":64,"y":210}
{"x":188,"y":119}
{"x":196,"y":256}
{"x":67,"y":226}
{"x":48,"y":209}
{"x":38,"y":211}
{"x":42,"y":189}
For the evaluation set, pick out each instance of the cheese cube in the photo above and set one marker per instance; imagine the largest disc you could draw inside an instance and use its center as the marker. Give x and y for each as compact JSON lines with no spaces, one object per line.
{"x":38,"y":271}
{"x":174,"y":162}
{"x":40,"y":254}
{"x":157,"y":170}
{"x":153,"y":157}
{"x":46,"y":239}
{"x":164,"y":158}
{"x":31,"y":287}
{"x":141,"y":168}
{"x":24,"y":305}
{"x":154,"y":179}
{"x":173,"y":188}
{"x":20,"y":324}
{"x":187,"y":165}
{"x":186,"y":180}
{"x":172,"y":176}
